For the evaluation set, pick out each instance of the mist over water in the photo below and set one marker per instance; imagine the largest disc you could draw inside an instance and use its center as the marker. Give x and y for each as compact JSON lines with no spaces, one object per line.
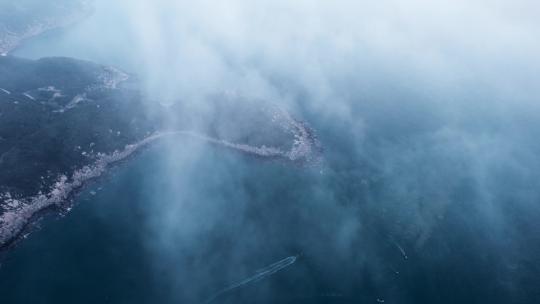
{"x":428,"y":189}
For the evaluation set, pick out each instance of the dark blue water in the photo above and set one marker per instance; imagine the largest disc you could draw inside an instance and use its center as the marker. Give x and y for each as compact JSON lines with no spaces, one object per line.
{"x":173,"y":226}
{"x":147,"y":234}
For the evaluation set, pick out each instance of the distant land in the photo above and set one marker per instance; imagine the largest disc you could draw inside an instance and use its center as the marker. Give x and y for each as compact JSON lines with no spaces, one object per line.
{"x":23,"y":19}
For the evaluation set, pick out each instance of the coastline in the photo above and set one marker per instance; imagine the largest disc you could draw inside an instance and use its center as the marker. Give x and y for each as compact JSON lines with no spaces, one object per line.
{"x":13,"y":222}
{"x":10,"y":40}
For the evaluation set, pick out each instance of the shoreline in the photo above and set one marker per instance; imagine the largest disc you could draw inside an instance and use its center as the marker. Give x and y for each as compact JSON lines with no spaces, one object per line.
{"x":14,"y":222}
{"x":12,"y":41}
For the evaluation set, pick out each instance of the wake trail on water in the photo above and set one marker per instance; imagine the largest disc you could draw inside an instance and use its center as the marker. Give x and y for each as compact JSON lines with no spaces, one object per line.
{"x":400,"y":248}
{"x":259,"y":275}
{"x":19,"y":212}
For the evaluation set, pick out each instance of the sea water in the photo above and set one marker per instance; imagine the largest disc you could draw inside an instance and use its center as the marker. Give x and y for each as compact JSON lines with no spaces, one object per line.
{"x":171,"y":226}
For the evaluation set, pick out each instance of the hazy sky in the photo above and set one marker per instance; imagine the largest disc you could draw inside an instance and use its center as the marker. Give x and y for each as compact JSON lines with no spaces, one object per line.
{"x":192,"y":49}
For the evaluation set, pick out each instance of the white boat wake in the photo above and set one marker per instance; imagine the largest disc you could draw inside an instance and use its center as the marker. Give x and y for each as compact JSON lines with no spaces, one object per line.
{"x":20,"y":212}
{"x":259,"y":275}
